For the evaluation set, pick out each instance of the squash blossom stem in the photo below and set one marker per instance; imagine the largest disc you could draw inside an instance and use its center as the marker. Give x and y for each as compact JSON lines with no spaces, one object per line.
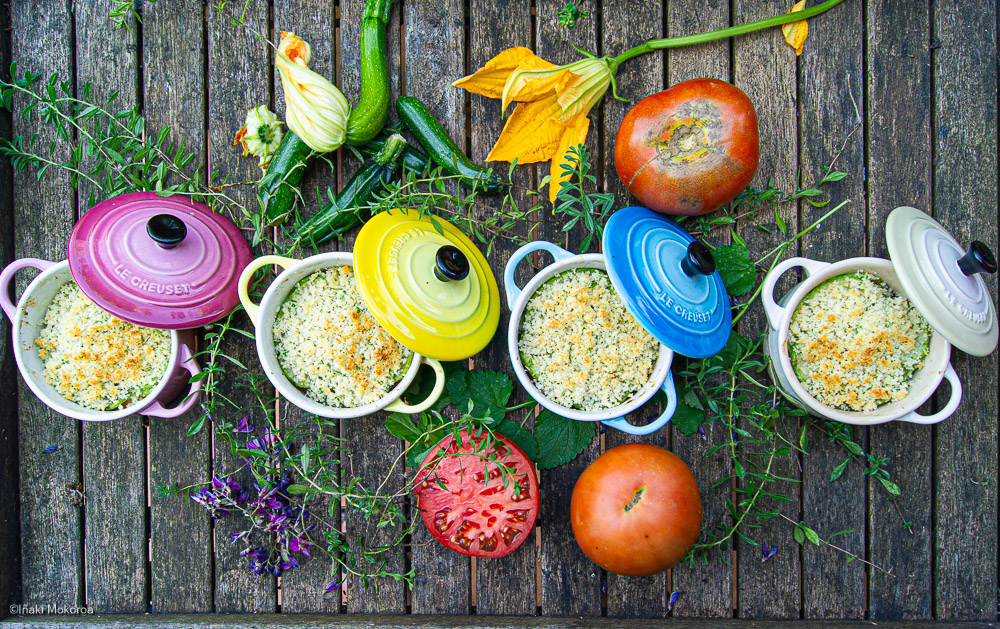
{"x":723,"y":33}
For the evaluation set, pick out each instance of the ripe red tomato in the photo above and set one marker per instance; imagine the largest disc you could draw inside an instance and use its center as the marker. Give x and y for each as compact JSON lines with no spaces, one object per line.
{"x":478,"y":497}
{"x":689,"y":149}
{"x":636,"y":510}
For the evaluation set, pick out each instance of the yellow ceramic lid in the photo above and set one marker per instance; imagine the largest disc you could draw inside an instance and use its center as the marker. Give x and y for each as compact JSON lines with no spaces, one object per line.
{"x":433,"y":292}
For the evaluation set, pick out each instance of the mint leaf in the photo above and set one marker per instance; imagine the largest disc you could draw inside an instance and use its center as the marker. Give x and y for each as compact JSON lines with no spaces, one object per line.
{"x":487,"y":390}
{"x":400,"y":426}
{"x":737,"y":271}
{"x":559,"y":439}
{"x":687,"y":418}
{"x":519,"y":435}
{"x":415,"y":456}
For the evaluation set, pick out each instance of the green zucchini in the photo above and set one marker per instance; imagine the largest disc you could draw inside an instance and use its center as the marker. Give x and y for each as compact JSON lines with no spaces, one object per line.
{"x":442,"y":149}
{"x":369,"y":114}
{"x":345,"y":211}
{"x":278,"y":187}
{"x":413,"y":159}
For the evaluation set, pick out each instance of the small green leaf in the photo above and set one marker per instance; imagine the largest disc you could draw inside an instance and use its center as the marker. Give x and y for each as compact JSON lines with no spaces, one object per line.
{"x":811,"y":535}
{"x":298,"y":490}
{"x":197,"y":426}
{"x":834,"y":175}
{"x":800,"y":536}
{"x":890,"y":486}
{"x":853,"y":448}
{"x":839,"y":470}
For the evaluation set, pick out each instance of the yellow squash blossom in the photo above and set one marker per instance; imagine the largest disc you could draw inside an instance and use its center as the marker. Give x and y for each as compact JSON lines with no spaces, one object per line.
{"x":550,"y":116}
{"x":314,"y":108}
{"x":796,"y":32}
{"x":261,"y":134}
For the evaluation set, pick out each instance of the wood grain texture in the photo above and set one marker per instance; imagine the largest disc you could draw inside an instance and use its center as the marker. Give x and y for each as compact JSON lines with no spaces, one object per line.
{"x":370,"y":454}
{"x":44,"y":212}
{"x":10,"y":507}
{"x":434,"y":56}
{"x":238,"y":71}
{"x":626,"y":25}
{"x":899,"y":173}
{"x":764,"y":67}
{"x":174,"y":59}
{"x":831,"y":93}
{"x":965,"y":202}
{"x":416,"y":621}
{"x":114,"y":453}
{"x":707,"y":589}
{"x":302,"y":589}
{"x":571,"y":583}
{"x":503,"y":586}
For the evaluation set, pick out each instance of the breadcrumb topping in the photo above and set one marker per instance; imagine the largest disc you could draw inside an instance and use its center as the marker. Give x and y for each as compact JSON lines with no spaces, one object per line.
{"x":329,"y":344}
{"x":93,"y":358}
{"x":855,"y":344}
{"x":580,"y":344}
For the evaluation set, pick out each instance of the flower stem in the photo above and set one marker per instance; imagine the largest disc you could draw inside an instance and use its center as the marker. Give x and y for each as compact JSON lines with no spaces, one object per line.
{"x":723,"y":33}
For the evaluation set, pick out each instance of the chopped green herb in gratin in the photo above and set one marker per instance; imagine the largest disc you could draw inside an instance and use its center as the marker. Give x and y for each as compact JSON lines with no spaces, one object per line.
{"x":96,"y":360}
{"x":330,"y":345}
{"x":855,"y":344}
{"x":583,"y":349}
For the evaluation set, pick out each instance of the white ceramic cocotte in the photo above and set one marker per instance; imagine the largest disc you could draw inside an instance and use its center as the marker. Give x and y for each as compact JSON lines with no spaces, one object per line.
{"x":517,"y":298}
{"x":263,"y":317}
{"x":27,"y":318}
{"x":667,"y":281}
{"x":940,"y":279}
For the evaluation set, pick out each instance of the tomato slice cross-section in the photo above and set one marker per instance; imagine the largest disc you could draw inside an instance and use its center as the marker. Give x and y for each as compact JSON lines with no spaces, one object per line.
{"x":478,"y":494}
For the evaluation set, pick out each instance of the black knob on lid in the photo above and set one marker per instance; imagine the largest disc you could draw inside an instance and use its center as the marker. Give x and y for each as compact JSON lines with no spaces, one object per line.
{"x":451,"y":264}
{"x":166,"y":229}
{"x":978,"y":259}
{"x":698,"y":260}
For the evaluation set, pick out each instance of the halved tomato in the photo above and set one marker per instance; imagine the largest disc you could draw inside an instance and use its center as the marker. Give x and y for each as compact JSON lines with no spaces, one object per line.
{"x":477,"y":496}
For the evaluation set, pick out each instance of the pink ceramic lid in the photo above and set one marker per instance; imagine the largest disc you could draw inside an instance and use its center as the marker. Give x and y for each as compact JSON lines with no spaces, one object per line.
{"x":160,"y":262}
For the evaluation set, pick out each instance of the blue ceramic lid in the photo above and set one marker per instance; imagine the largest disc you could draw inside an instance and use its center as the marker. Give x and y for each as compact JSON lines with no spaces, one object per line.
{"x":668,"y":281}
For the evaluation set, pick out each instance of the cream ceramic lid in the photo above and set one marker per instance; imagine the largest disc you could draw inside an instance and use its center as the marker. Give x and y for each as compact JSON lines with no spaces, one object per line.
{"x":943,"y":280}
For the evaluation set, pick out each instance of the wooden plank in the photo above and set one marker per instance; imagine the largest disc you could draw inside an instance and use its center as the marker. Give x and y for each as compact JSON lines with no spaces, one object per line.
{"x":965,"y":201}
{"x":571,"y":583}
{"x":302,"y":589}
{"x":434,"y":37}
{"x":626,"y":25}
{"x":503,"y":586}
{"x":44,"y":211}
{"x":10,"y":507}
{"x":173,"y":46}
{"x":114,"y":453}
{"x":899,"y":173}
{"x":831,"y":95}
{"x":370,"y":454}
{"x":238,"y":73}
{"x":764,"y":68}
{"x":309,"y":621}
{"x":707,"y":589}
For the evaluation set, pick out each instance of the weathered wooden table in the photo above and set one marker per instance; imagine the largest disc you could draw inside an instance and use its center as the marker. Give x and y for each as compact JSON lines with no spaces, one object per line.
{"x":918,"y":79}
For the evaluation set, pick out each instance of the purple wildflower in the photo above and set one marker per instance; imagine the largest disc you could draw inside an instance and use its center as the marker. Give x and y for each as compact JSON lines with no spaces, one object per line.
{"x":701,"y":431}
{"x":51,"y":449}
{"x":767,"y":551}
{"x":243,"y":427}
{"x":220,"y":496}
{"x":332,"y":586}
{"x":673,"y":600}
{"x":261,"y":443}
